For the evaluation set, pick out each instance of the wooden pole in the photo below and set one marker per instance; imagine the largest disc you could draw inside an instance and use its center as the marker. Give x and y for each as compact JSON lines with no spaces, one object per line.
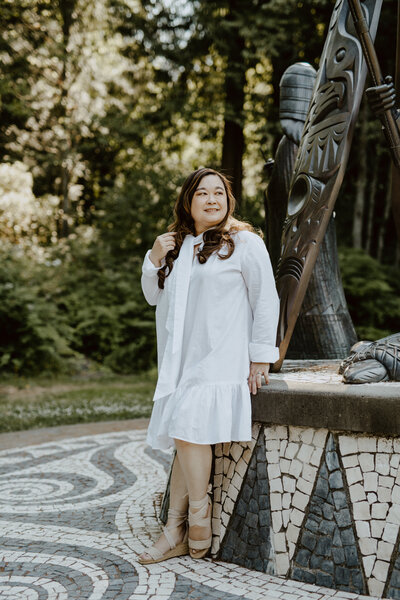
{"x":395,"y":179}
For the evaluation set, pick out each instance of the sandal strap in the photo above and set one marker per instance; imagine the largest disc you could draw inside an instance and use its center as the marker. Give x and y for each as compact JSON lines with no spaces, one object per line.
{"x":169,"y":537}
{"x":154,"y":552}
{"x":199,"y":517}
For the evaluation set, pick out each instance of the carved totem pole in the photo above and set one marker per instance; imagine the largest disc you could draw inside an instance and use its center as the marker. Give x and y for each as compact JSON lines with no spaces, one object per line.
{"x":321,"y":159}
{"x":324,"y":328}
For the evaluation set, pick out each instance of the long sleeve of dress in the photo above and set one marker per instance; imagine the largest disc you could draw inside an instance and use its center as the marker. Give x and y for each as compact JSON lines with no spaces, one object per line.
{"x":264,"y":300}
{"x":149,"y":280}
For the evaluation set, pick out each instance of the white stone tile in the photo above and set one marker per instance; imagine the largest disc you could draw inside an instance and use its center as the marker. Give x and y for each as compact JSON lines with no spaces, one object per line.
{"x":394,"y":514}
{"x":384,"y":494}
{"x":390,"y":533}
{"x":274,"y":471}
{"x":219,"y":466}
{"x":319,"y":438}
{"x":357,"y":492}
{"x":377,"y":528}
{"x":353,"y":475}
{"x":218,"y":452}
{"x":236,"y":451}
{"x":368,"y":546}
{"x":382,"y":463}
{"x":282,"y":447}
{"x":231,"y":469}
{"x":275,"y":485}
{"x":370,"y":482}
{"x":366,"y":444}
{"x":280,"y":542}
{"x":361,"y":511}
{"x":226,"y":448}
{"x":386,"y":481}
{"x":275,"y":432}
{"x":295,"y":468}
{"x":379,"y":511}
{"x":305,"y":453}
{"x":368,"y":562}
{"x":380,"y":570}
{"x":291,"y":450}
{"x":276,"y":501}
{"x":363,"y":529}
{"x":285,"y":465}
{"x":395,"y":461}
{"x":372,"y":497}
{"x":297,"y":516}
{"x":289,"y":484}
{"x":272,"y":456}
{"x":350,"y":461}
{"x":347,"y":445}
{"x":300,"y":500}
{"x":286,"y":500}
{"x":241,"y":467}
{"x":282,"y":564}
{"x":385,"y":445}
{"x":316,"y":457}
{"x":366,"y":461}
{"x":304,"y":486}
{"x":237,"y":481}
{"x":309,"y":472}
{"x":272,"y":445}
{"x":292,"y":533}
{"x":276,"y":521}
{"x":228,"y":506}
{"x":385,"y":550}
{"x":286,"y":516}
{"x":375,"y":587}
{"x":396,"y":494}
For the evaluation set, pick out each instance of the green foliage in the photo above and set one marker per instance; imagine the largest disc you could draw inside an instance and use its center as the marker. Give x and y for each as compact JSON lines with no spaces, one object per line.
{"x":82,"y":304}
{"x":34,"y":336}
{"x":372,"y":294}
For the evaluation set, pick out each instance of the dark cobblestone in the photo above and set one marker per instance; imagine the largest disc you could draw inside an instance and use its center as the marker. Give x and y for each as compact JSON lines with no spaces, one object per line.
{"x":248,"y":543}
{"x":329,"y":563}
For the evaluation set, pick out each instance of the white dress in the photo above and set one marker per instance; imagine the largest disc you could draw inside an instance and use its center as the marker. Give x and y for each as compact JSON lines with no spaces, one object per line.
{"x":212,"y":319}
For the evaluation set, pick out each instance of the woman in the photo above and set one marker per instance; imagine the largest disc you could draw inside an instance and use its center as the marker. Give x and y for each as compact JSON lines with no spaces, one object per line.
{"x":216,"y":319}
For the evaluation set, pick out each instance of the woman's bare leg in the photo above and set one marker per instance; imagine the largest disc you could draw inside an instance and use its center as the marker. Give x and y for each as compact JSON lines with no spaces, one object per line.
{"x":178,"y":499}
{"x":195,"y":462}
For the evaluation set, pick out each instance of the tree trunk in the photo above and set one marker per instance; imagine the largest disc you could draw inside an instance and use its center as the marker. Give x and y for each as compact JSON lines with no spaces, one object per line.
{"x":371,"y":206}
{"x":386,"y":213}
{"x":66,"y":8}
{"x":361,"y":182}
{"x":235,"y":80}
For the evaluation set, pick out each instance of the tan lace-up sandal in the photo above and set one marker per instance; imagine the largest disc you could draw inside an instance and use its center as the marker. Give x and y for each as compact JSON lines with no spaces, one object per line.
{"x":180,"y":549}
{"x":200,"y":519}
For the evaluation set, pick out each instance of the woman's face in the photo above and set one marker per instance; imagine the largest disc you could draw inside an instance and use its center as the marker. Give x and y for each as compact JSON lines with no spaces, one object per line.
{"x":209,"y":203}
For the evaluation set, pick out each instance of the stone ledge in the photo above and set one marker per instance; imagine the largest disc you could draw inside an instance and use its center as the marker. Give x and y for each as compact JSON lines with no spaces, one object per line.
{"x":311,"y":394}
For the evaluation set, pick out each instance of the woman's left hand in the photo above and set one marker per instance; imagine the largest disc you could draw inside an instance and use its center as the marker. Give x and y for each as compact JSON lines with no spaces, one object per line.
{"x":257,"y":370}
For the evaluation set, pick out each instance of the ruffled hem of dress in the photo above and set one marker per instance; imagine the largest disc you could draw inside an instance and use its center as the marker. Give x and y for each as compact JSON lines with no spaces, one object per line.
{"x":201,"y":414}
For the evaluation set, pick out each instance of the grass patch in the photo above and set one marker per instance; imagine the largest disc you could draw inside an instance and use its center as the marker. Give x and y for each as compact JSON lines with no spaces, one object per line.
{"x":47,"y":402}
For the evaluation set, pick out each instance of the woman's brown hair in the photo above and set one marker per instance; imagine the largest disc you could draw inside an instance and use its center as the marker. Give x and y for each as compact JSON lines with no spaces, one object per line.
{"x":183,"y":225}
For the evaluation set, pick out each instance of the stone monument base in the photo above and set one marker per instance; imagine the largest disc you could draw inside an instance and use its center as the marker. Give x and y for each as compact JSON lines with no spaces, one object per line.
{"x":315,"y":496}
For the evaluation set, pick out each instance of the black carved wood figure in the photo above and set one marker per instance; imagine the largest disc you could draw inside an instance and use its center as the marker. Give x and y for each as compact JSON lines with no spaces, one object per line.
{"x":321,"y":159}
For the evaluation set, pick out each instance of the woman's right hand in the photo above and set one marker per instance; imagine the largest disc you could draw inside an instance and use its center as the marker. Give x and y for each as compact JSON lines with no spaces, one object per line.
{"x":163,"y":244}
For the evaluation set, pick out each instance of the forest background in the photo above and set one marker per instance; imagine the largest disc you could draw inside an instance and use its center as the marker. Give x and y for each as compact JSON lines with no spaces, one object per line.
{"x":105,"y":107}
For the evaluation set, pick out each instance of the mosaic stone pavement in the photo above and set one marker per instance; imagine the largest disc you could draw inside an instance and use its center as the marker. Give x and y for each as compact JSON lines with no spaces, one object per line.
{"x":74,"y":515}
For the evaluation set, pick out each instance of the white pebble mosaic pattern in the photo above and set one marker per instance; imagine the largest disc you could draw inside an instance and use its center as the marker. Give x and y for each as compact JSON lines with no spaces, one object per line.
{"x":75,"y":514}
{"x":231,"y":463}
{"x":372,"y":471}
{"x":293,"y":457}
